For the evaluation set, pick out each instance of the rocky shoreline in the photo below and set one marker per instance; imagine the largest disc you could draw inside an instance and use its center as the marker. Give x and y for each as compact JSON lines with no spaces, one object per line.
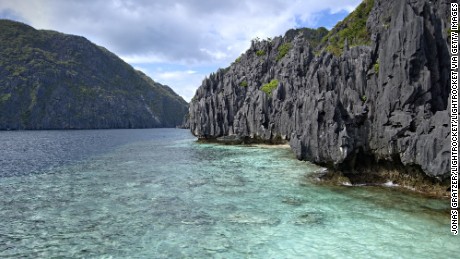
{"x":399,"y":177}
{"x":370,"y":103}
{"x":414,"y":182}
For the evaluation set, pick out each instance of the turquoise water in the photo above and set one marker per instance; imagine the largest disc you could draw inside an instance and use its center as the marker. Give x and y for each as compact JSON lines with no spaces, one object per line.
{"x":159,"y":194}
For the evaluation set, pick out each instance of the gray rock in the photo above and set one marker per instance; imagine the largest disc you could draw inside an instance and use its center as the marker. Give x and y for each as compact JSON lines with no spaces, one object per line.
{"x":338,"y":110}
{"x":231,"y":139}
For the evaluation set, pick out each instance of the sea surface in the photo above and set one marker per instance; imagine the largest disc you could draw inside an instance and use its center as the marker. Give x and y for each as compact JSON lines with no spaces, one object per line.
{"x":158,"y":193}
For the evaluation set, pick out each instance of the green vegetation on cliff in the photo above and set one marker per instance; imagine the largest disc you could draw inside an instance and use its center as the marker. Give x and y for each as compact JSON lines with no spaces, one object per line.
{"x":352,"y":28}
{"x":314,"y":36}
{"x":377,"y":67}
{"x":50,"y":80}
{"x":260,"y":52}
{"x":269,"y":87}
{"x":283,"y":50}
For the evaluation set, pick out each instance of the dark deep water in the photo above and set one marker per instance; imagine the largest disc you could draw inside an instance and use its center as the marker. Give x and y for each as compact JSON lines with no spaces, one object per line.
{"x":157,"y":193}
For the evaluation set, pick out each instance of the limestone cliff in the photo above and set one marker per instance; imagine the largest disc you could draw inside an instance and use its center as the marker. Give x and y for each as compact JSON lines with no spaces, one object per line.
{"x":50,"y":80}
{"x":373,"y":94}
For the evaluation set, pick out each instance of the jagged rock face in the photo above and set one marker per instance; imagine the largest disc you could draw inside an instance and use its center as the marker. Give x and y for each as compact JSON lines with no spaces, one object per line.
{"x":384,"y":102}
{"x":49,"y":80}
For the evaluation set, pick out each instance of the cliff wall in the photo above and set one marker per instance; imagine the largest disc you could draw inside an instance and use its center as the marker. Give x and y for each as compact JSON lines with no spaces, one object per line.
{"x":50,"y":80}
{"x":364,"y":98}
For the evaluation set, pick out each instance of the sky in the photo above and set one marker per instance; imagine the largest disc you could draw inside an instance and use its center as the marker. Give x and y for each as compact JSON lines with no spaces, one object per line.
{"x":176,"y":42}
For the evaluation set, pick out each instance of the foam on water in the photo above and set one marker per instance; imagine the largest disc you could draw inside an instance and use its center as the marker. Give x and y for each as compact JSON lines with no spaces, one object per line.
{"x":390,"y":184}
{"x":163,"y":195}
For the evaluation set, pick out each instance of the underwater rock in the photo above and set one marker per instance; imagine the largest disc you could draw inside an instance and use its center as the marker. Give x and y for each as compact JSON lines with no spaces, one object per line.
{"x":293,"y":201}
{"x":309,"y":218}
{"x":252,"y":218}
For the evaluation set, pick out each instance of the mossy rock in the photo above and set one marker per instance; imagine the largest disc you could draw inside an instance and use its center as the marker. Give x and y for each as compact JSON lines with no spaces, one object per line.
{"x":269,"y":87}
{"x":352,"y":28}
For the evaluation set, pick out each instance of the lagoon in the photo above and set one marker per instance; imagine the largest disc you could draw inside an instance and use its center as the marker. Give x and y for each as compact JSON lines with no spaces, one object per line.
{"x":158,"y":193}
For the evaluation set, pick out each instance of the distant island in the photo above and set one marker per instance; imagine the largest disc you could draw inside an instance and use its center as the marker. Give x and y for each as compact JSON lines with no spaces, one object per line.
{"x":50,"y":80}
{"x":368,"y":99}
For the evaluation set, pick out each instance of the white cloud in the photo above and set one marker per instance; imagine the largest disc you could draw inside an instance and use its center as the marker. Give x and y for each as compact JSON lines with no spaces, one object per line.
{"x":194,"y":33}
{"x":349,"y":8}
{"x":142,"y":59}
{"x":171,"y":75}
{"x":215,"y":54}
{"x":188,"y":79}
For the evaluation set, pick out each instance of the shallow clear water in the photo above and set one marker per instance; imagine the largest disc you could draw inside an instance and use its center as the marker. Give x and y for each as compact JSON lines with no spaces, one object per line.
{"x":158,"y":193}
